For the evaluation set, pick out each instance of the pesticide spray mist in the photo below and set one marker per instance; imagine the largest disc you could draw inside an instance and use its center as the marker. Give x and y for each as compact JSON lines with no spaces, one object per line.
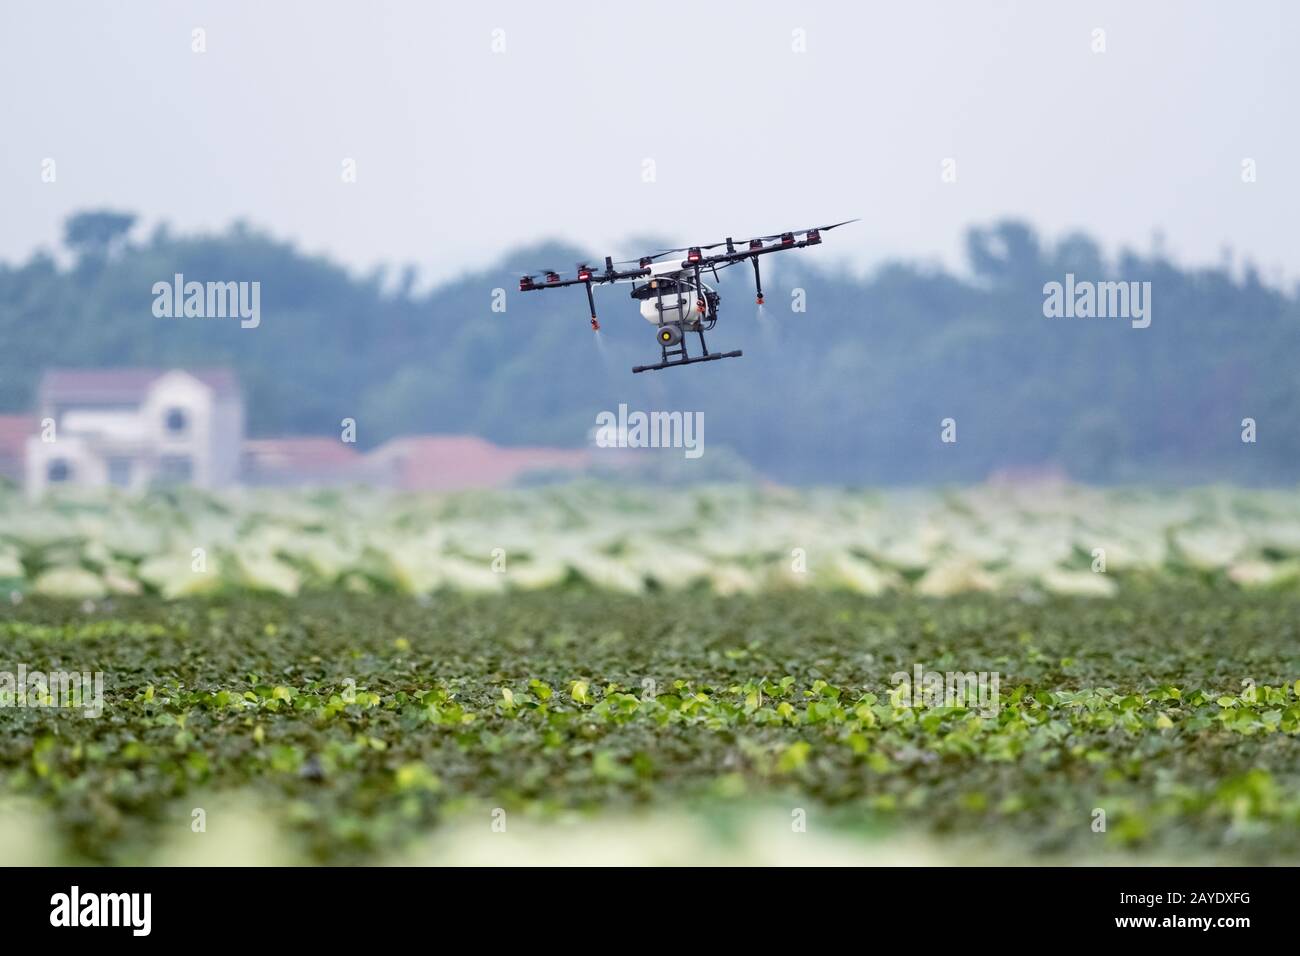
{"x":766,"y":324}
{"x":602,"y":349}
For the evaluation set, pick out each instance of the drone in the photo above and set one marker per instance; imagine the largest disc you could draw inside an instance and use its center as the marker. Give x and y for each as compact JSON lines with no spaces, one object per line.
{"x":672,"y":295}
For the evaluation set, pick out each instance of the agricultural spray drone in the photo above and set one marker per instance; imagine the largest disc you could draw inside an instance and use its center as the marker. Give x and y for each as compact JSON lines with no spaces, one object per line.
{"x":673,"y":296}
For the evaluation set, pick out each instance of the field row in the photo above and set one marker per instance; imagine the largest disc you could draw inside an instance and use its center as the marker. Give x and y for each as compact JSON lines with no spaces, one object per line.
{"x":1050,"y":539}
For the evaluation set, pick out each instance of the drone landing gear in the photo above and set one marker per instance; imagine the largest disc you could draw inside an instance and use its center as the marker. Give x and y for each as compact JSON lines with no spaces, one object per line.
{"x":690,"y":360}
{"x":677,"y":355}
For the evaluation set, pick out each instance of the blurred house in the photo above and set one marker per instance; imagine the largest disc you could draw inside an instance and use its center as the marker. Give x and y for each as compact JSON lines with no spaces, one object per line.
{"x":14,"y":432}
{"x":408,"y":463}
{"x":139,"y":428}
{"x":301,"y":461}
{"x":136,"y":428}
{"x":451,"y":462}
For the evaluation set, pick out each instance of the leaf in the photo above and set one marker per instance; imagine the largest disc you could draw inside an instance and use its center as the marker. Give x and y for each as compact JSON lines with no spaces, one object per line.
{"x":606,"y":766}
{"x":794,"y":756}
{"x":416,"y":776}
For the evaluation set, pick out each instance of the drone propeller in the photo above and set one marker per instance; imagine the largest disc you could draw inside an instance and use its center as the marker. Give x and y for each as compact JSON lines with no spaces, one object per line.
{"x":813,"y":234}
{"x":644,"y":261}
{"x":605,"y":271}
{"x":740,"y":242}
{"x":696,"y":250}
{"x":526,"y":281}
{"x":814,"y":230}
{"x":699,"y":256}
{"x":834,"y":225}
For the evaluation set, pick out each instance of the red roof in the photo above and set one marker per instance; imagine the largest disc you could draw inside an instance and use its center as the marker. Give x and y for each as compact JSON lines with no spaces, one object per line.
{"x":299,"y":453}
{"x":16,"y":429}
{"x":300,"y":461}
{"x":14,"y":432}
{"x":449,"y":462}
{"x":121,"y":385}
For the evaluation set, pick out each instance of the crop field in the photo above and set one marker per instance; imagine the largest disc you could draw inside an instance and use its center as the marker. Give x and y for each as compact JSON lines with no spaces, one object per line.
{"x":727,"y":539}
{"x":1157,"y":724}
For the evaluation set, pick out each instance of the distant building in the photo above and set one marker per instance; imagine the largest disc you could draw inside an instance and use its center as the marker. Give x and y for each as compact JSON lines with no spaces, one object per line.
{"x":452,"y":462}
{"x":14,"y":432}
{"x":301,"y":461}
{"x":143,"y":428}
{"x":136,"y":428}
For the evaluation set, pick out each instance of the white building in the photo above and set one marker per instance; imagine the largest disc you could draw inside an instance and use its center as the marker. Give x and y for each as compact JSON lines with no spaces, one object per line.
{"x":136,"y":429}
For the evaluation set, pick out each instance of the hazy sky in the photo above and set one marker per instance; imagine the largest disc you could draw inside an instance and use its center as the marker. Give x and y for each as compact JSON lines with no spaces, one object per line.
{"x":462,"y":152}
